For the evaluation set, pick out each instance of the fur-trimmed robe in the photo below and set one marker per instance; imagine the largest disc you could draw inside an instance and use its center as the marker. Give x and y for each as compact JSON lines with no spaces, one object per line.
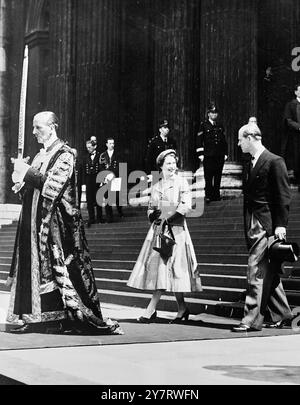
{"x":51,"y":268}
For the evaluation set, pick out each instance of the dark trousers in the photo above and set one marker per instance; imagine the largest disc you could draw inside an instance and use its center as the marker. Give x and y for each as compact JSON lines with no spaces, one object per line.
{"x":265,"y":290}
{"x":108,"y":207}
{"x":290,"y":151}
{"x":91,"y":191}
{"x":213,"y":166}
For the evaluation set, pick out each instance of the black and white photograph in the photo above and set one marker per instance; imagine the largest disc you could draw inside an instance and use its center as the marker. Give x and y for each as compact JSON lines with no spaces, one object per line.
{"x":149,"y":196}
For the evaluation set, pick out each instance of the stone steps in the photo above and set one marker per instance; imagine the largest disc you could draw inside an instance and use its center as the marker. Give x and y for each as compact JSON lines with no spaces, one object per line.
{"x":220,"y":248}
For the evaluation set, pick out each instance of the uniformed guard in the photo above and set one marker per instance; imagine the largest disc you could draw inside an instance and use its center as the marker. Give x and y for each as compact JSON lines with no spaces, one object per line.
{"x":91,"y":167}
{"x":157,"y":144}
{"x":109,"y":160}
{"x":212,"y":148}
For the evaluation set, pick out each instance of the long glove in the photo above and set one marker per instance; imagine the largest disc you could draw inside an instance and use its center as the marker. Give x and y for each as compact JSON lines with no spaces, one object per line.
{"x":173,"y":218}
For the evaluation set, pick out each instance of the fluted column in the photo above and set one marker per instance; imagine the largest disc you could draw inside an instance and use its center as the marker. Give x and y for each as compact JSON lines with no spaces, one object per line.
{"x":136,"y":106}
{"x":228,"y":63}
{"x":37,"y":39}
{"x":278,"y":35}
{"x":84,"y":75}
{"x":176,"y":71}
{"x":61,"y":76}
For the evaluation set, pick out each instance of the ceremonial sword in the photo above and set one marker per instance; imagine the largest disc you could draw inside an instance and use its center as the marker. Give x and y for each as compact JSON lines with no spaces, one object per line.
{"x":22,"y":110}
{"x":21,"y":134}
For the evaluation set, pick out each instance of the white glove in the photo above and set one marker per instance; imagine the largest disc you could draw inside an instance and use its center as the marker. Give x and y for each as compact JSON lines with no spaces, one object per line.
{"x":20,"y":169}
{"x":280,"y":232}
{"x":9,"y":282}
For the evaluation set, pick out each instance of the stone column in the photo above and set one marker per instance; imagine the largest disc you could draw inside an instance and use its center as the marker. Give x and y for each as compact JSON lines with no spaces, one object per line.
{"x":83,"y":84}
{"x":228,"y":59}
{"x":176,"y":72}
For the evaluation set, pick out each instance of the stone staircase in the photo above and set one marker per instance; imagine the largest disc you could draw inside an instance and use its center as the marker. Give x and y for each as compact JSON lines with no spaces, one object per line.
{"x":9,"y":213}
{"x":220,"y":249}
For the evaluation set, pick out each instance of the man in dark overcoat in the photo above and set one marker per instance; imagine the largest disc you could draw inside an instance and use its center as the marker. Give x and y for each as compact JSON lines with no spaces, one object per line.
{"x":266,"y":208}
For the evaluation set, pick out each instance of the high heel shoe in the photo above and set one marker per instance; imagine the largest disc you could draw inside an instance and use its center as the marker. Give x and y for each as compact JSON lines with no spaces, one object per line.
{"x":143,"y":319}
{"x":184,"y":316}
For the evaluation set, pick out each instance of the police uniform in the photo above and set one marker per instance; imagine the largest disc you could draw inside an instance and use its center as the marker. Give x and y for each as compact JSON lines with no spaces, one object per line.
{"x":157,"y":145}
{"x":111,"y":163}
{"x":211,"y":143}
{"x":91,"y":167}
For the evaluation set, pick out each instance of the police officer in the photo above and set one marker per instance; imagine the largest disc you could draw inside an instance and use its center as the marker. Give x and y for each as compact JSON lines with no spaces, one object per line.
{"x":157,"y":144}
{"x":212,"y":148}
{"x":91,"y":168}
{"x":109,"y":160}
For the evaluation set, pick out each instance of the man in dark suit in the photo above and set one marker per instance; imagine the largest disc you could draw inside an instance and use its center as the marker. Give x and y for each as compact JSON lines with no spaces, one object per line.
{"x":290,"y":146}
{"x":91,"y":168}
{"x":266,"y":207}
{"x":158,"y":144}
{"x":109,"y":160}
{"x":212,"y":149}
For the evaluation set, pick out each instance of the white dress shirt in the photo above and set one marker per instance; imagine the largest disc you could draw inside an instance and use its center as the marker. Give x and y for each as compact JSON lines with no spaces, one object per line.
{"x":257,"y":155}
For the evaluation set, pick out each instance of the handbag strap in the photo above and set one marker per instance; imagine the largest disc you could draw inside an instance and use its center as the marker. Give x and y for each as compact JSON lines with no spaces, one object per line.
{"x":166,"y":224}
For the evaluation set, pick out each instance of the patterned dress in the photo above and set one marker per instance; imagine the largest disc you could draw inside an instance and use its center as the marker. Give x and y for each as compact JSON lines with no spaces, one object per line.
{"x":180,"y":272}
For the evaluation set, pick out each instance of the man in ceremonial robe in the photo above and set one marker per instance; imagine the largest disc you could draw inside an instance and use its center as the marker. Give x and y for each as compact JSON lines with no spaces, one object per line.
{"x":51,"y":277}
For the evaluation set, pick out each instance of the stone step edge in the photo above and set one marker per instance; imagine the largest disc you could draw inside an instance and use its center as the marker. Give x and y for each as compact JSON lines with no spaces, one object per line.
{"x":229,"y":276}
{"x":133,"y":261}
{"x":241,"y":290}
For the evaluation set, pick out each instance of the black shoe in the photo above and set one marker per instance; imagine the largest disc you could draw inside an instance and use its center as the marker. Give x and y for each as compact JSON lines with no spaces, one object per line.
{"x":101,"y":221}
{"x":243,"y":328}
{"x":26,"y":328}
{"x":143,"y":319}
{"x":29,"y":328}
{"x":279,"y":324}
{"x":207,"y":199}
{"x":184,"y":316}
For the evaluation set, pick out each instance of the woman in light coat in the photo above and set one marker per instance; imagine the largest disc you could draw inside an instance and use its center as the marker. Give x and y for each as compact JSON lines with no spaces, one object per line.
{"x":169,"y":203}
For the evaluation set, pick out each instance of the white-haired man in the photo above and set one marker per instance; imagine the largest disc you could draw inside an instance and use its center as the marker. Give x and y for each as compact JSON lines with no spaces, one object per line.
{"x":266,"y":207}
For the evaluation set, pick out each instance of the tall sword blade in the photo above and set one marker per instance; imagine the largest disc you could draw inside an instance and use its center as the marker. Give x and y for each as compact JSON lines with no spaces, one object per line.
{"x":21,"y":135}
